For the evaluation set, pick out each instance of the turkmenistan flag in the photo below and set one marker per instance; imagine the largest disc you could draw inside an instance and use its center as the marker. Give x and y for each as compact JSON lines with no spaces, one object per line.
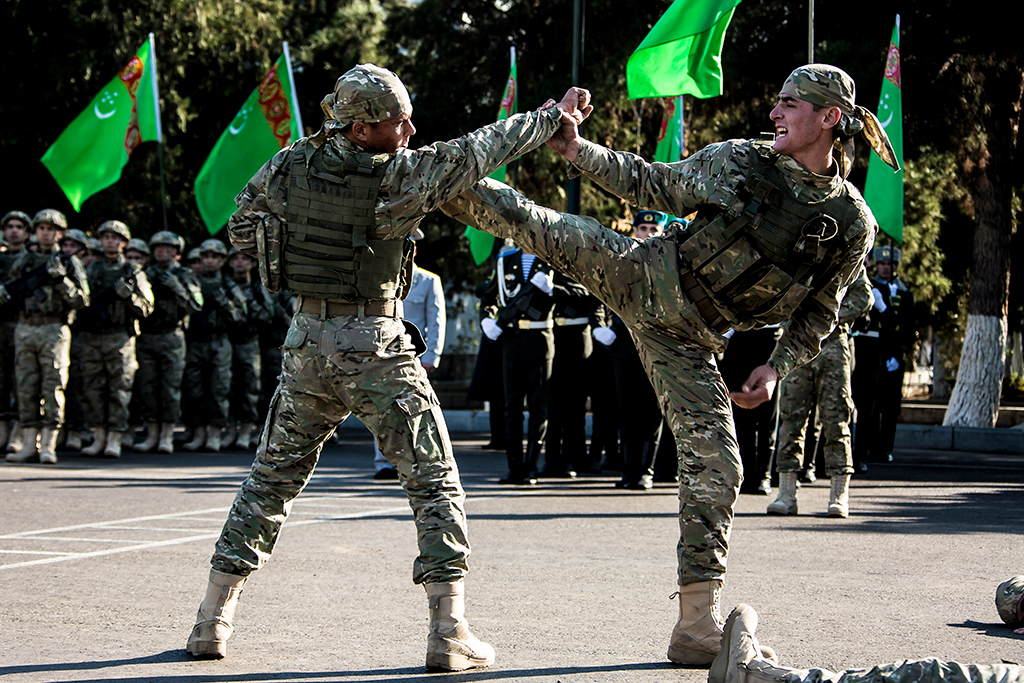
{"x":682,"y":53}
{"x":266,"y":122}
{"x":481,"y":243}
{"x":883,"y":189}
{"x":90,"y":153}
{"x":670,"y":139}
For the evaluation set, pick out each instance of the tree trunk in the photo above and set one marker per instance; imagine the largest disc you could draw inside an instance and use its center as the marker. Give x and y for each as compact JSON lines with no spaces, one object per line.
{"x":988,"y":169}
{"x":975,"y":399}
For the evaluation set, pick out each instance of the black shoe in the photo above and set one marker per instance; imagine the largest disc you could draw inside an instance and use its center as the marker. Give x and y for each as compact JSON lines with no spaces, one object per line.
{"x":386,"y":474}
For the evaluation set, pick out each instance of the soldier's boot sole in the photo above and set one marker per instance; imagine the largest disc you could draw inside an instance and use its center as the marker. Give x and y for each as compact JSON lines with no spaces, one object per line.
{"x":451,"y":646}
{"x":209,"y":636}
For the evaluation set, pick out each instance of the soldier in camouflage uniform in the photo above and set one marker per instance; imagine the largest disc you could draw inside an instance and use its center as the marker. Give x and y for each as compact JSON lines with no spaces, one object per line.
{"x":161,"y":345}
{"x":348,"y":350}
{"x":121,"y":295}
{"x":137,"y":252}
{"x":825,"y":383}
{"x":207,"y":378}
{"x":42,"y":339}
{"x":14,"y":227}
{"x":75,"y":243}
{"x":272,"y":336}
{"x":779,"y":236}
{"x":246,"y":361}
{"x":744,"y":660}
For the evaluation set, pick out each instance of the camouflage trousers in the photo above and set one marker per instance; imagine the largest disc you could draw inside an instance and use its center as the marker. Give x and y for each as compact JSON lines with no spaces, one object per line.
{"x":824,"y":382}
{"x":246,"y":379}
{"x":923,"y":671}
{"x":158,"y":383}
{"x":207,"y":382}
{"x":41,"y":359}
{"x":639,"y":281}
{"x":333,"y":368}
{"x":108,"y":368}
{"x":8,"y":402}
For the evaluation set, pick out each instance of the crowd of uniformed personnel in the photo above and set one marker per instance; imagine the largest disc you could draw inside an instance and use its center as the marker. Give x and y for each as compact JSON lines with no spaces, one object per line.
{"x":101,"y":334}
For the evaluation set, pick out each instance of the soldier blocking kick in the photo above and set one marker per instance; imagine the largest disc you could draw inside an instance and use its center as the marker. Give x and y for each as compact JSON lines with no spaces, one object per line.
{"x":347,"y":255}
{"x":779,"y":235}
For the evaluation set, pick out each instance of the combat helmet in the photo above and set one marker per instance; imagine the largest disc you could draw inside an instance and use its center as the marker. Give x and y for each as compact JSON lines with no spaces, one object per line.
{"x":169,"y":238}
{"x":892,"y":254}
{"x":216,"y":246}
{"x":11,"y":215}
{"x":116,"y":227}
{"x":94,"y":245}
{"x":195,"y":254}
{"x":138,"y":245}
{"x":1010,"y":601}
{"x":51,"y":216}
{"x":76,"y":235}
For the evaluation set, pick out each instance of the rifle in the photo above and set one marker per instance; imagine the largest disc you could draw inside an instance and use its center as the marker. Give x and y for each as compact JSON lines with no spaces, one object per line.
{"x":101,"y":308}
{"x":29,"y":283}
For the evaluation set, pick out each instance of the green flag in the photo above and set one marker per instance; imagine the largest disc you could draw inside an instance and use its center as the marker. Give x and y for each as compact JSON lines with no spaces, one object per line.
{"x":481,"y":243}
{"x":266,"y":122}
{"x":682,"y":55}
{"x":883,"y":189}
{"x":670,"y":139}
{"x":90,"y":153}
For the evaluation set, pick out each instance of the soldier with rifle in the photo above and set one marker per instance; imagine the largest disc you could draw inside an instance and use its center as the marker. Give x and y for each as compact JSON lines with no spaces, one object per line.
{"x":46,"y":287}
{"x":14,"y":227}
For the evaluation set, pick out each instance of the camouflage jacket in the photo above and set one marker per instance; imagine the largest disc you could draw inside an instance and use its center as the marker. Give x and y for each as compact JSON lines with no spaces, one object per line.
{"x":107,"y":309}
{"x":714,"y":176}
{"x":259,"y":311}
{"x":61,"y":296}
{"x":416,"y":181}
{"x":223,"y":308}
{"x":177,"y":295}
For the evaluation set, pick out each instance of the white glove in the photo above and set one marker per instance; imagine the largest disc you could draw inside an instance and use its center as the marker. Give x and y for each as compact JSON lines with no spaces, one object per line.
{"x":545,"y":282}
{"x":491,"y":328}
{"x":878,"y":302}
{"x":893,"y":288}
{"x":605,"y":335}
{"x":892,"y":365}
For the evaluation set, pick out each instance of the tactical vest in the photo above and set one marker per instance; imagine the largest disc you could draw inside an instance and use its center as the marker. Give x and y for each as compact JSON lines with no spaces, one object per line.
{"x":52,"y":303}
{"x":106,"y":309}
{"x":757,"y":264}
{"x":167,"y":314}
{"x":327,"y":249}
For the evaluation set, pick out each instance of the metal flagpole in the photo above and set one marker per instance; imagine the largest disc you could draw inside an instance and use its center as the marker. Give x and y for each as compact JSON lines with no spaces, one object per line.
{"x":810,"y":32}
{"x":159,"y":130}
{"x":291,"y":82}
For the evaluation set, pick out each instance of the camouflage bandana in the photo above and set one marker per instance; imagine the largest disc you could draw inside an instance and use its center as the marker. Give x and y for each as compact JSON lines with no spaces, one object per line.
{"x":366,"y":93}
{"x":824,"y":85}
{"x":1010,"y":601}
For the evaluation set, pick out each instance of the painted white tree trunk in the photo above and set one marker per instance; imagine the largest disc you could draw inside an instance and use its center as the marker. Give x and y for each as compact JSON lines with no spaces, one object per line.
{"x":975,"y":399}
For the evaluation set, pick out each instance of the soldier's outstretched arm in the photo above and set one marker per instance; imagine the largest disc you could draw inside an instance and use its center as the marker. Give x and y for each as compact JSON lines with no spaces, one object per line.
{"x":255,"y":204}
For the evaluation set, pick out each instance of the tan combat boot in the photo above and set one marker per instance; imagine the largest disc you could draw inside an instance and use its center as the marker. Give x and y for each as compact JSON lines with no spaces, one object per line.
{"x":213,"y":439}
{"x":28,"y":451}
{"x":99,"y":441}
{"x":213,"y":622}
{"x":227,"y":435}
{"x":48,"y":446}
{"x":198,"y":439}
{"x":152,"y":436}
{"x":74,"y":441}
{"x":128,"y":438}
{"x":16,"y":441}
{"x":450,"y":645}
{"x":839,"y":500}
{"x":697,"y":636}
{"x":113,"y":449}
{"x":166,"y":437}
{"x":244,"y":440}
{"x":785,"y":504}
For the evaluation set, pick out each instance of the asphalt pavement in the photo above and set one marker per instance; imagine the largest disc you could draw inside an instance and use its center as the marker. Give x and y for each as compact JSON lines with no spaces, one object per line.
{"x":103,"y":564}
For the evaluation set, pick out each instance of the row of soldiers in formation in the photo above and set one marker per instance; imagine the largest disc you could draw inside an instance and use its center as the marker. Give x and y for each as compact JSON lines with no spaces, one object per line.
{"x":98,"y":334}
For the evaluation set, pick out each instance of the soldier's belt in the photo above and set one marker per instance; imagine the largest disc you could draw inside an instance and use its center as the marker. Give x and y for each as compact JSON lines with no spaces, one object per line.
{"x":569,"y":322}
{"x":534,"y":324}
{"x":390,"y":308}
{"x":41,"y":320}
{"x":693,"y":291}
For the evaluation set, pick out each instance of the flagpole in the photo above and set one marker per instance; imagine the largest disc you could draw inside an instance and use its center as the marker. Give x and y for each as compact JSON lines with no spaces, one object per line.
{"x":291,"y":82}
{"x":573,"y":191}
{"x":159,"y":130}
{"x":810,"y":32}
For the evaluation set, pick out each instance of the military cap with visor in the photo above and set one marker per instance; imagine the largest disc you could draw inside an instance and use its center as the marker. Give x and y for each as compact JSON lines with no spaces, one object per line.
{"x":51,"y":216}
{"x":891,"y":254}
{"x":658,"y":218}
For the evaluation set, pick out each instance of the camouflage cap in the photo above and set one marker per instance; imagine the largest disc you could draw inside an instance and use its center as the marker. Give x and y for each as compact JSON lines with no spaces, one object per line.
{"x":11,"y":215}
{"x":1010,"y":601}
{"x":655,"y":217}
{"x":216,"y":246}
{"x":824,"y":85}
{"x":76,"y":235}
{"x":51,"y":216}
{"x":168,"y":238}
{"x":369,"y":94}
{"x":892,"y":254}
{"x":116,"y":227}
{"x":138,"y":245}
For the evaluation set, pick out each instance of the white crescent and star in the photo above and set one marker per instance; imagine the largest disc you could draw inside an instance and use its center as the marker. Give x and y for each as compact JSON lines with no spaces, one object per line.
{"x":244,"y":116}
{"x":109,"y":98}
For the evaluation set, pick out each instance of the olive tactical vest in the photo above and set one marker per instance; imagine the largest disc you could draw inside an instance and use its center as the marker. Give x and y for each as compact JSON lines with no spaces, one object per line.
{"x":328,"y":251}
{"x":758,"y":263}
